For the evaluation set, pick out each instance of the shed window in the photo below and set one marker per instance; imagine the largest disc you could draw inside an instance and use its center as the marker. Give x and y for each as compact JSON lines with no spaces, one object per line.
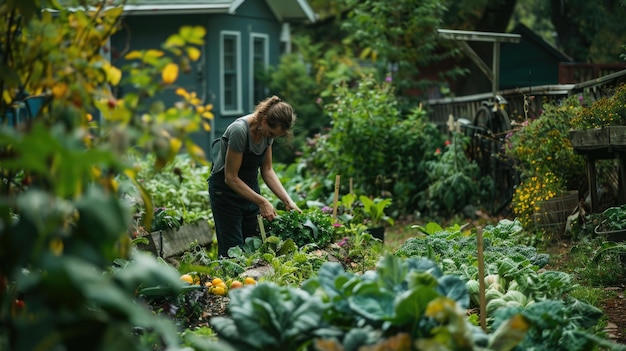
{"x":259,"y":47}
{"x":230,"y":72}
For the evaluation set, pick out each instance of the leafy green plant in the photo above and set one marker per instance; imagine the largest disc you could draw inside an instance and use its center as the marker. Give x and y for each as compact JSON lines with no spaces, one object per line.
{"x":374,"y":211}
{"x":358,"y":250}
{"x":312,"y":226}
{"x":560,"y":325}
{"x":269,"y":317}
{"x":613,"y":218}
{"x":454,"y":180}
{"x":163,"y":220}
{"x":179,"y":186}
{"x":401,"y":295}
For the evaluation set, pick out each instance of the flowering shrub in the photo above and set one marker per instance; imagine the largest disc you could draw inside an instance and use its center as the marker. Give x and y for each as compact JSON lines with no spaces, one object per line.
{"x":545,"y":158}
{"x":607,"y":111}
{"x":542,"y":186}
{"x":543,"y":144}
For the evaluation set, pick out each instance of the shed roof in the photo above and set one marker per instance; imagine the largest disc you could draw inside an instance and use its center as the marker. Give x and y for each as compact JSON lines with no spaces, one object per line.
{"x":284,"y":10}
{"x":529,"y":34}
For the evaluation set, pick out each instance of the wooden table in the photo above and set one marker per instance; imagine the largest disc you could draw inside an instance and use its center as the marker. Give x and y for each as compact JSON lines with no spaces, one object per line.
{"x":602,"y":144}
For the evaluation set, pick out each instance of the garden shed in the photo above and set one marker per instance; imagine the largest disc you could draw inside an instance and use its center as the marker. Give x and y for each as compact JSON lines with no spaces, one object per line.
{"x":532,"y":61}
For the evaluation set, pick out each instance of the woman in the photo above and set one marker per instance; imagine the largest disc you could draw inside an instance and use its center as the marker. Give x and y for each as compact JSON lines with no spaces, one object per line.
{"x":243,"y":150}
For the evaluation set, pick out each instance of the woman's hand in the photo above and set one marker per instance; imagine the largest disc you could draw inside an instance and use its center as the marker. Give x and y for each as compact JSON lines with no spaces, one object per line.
{"x":268,"y":211}
{"x":291,"y":206}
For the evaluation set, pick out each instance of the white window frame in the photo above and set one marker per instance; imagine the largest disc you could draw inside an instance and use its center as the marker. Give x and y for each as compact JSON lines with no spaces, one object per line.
{"x":238,"y":90}
{"x":266,"y":58}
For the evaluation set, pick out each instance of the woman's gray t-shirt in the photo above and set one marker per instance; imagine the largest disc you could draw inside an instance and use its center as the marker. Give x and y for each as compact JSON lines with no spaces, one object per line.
{"x":237,"y":138}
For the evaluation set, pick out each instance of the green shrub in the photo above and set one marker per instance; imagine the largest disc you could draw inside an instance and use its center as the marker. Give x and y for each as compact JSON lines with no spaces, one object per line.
{"x":372,"y":143}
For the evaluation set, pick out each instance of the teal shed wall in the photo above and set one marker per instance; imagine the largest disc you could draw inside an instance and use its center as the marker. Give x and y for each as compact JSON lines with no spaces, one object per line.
{"x":530,"y":62}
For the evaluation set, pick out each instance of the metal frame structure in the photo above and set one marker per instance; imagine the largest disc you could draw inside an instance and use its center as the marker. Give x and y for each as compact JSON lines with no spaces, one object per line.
{"x":463,"y":36}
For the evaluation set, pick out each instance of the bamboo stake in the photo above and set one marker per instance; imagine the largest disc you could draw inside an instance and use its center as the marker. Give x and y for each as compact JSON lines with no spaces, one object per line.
{"x":481,"y":279}
{"x":335,"y":202}
{"x":351,"y":191}
{"x":261,"y":226}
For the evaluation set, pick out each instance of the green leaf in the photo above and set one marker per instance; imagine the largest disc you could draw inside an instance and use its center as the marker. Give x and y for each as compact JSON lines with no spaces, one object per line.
{"x":373,"y":304}
{"x":391,"y":272}
{"x":409,"y":306}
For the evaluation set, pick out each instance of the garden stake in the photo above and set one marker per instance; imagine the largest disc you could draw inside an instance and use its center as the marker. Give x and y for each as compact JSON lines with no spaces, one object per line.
{"x":481,"y":279}
{"x":261,"y":226}
{"x":161,"y":243}
{"x":336,"y":197}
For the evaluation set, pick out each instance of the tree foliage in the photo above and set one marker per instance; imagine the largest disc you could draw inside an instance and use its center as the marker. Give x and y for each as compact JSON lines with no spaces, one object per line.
{"x":401,"y":35}
{"x":68,"y":276}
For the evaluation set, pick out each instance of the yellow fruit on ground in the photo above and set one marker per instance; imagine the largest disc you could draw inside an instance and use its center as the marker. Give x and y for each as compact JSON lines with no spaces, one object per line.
{"x":236,"y":284}
{"x":216,"y":281}
{"x":187,"y":278}
{"x":208,"y":284}
{"x":221,"y":284}
{"x":218,"y":290}
{"x":249,"y":281}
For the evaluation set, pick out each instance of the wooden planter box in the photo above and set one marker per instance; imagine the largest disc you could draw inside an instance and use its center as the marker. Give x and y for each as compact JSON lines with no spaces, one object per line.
{"x":598,"y":138}
{"x":169,"y":243}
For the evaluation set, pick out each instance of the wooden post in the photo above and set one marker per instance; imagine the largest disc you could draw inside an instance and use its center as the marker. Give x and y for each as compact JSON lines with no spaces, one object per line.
{"x":351,"y":191}
{"x":481,"y":279}
{"x":335,"y":202}
{"x":261,"y":226}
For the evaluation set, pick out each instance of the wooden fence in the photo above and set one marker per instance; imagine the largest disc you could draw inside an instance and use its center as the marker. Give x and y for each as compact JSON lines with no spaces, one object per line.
{"x":523,"y":102}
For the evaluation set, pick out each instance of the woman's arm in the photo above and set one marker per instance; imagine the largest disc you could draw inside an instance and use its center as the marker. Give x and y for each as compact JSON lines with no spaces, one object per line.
{"x":231,"y":177}
{"x":271,"y":179}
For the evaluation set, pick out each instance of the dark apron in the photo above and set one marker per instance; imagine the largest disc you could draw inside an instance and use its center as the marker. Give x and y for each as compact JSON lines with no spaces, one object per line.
{"x":235,"y":217}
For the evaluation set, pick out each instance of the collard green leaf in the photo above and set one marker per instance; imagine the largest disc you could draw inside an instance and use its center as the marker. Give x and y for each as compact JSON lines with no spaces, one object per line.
{"x":391,"y":272}
{"x":410,"y":305}
{"x":270,"y":317}
{"x":374,"y":305}
{"x":453,"y":287}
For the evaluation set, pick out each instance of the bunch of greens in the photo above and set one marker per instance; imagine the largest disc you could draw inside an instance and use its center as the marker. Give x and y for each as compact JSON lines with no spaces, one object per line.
{"x":312,"y":226}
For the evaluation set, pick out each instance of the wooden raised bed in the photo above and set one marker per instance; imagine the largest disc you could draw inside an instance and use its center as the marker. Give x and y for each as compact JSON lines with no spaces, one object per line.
{"x":169,"y":243}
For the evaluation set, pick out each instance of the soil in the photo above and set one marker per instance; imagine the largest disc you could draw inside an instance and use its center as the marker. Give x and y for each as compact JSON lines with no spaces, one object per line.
{"x":615,"y":313}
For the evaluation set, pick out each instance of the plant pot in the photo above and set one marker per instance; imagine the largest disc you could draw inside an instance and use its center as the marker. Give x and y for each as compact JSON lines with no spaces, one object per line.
{"x":377,"y":232}
{"x":553,"y":213}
